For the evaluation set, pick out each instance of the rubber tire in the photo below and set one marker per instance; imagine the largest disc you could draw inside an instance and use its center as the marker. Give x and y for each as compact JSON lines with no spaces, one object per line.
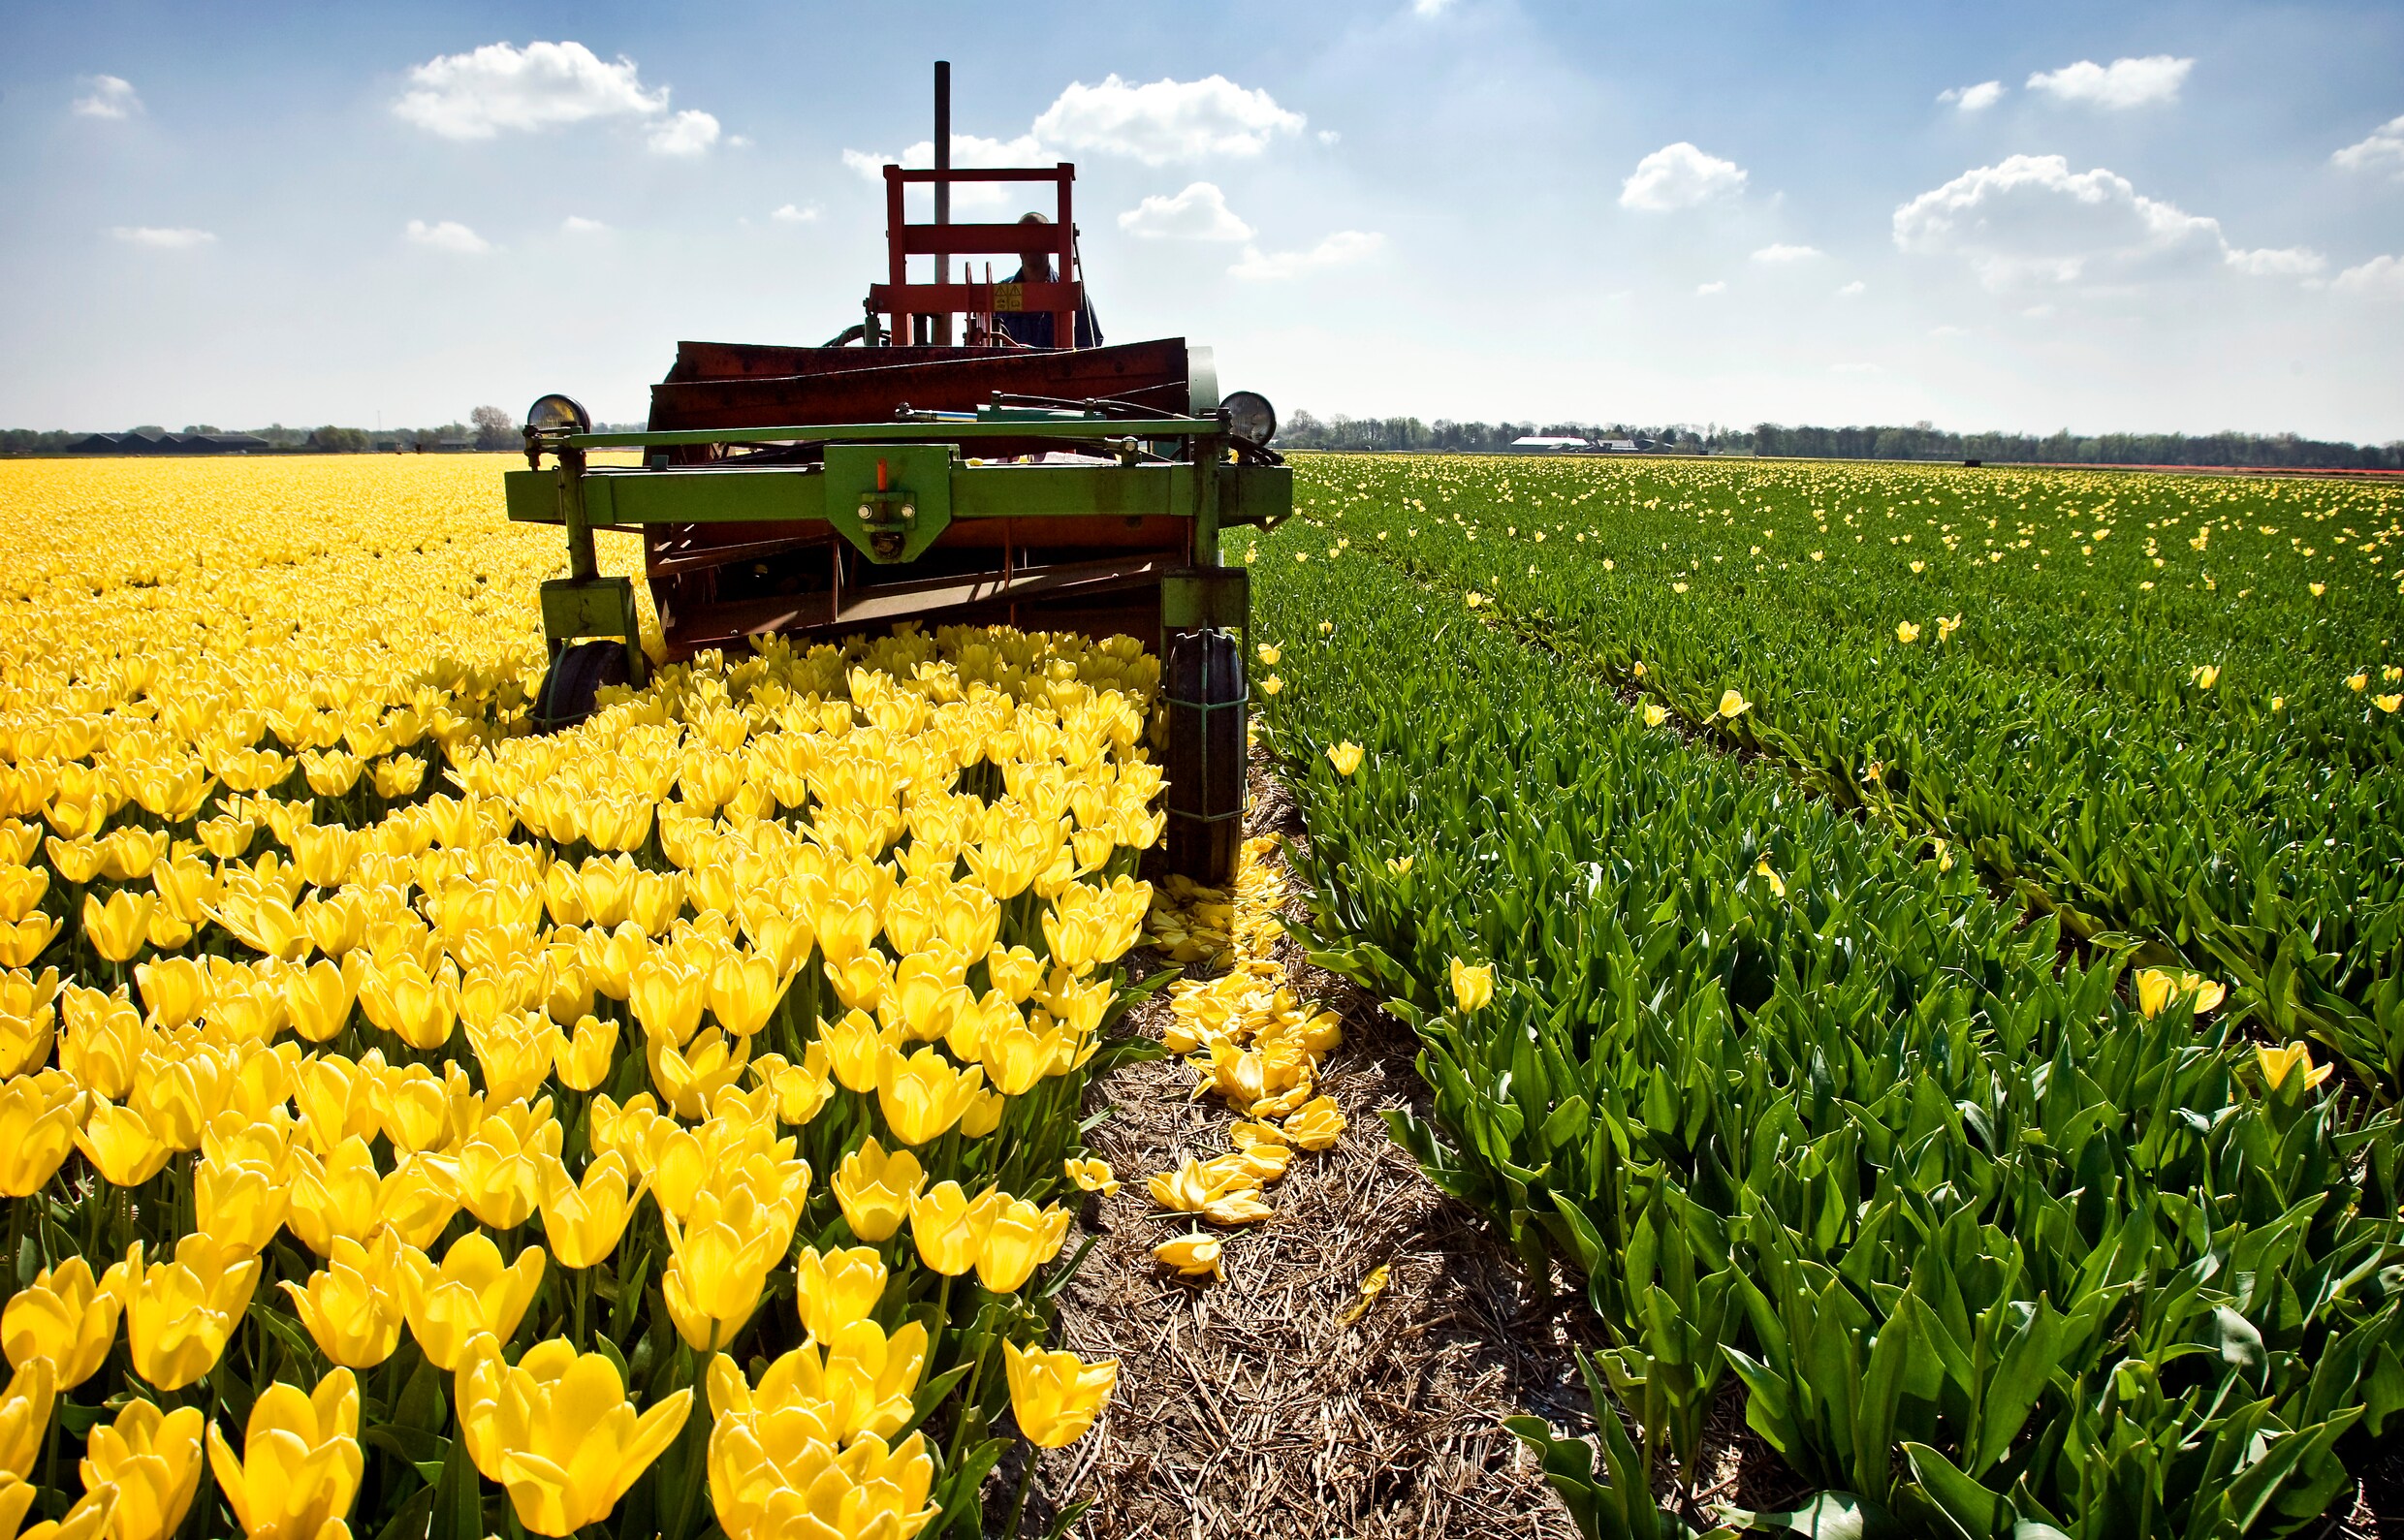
{"x":573,"y":682}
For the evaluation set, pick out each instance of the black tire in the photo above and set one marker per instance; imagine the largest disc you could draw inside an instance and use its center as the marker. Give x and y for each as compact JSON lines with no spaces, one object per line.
{"x":573,"y":682}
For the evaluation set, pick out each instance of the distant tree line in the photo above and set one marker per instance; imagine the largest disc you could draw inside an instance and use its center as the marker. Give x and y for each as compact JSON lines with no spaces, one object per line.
{"x":488,"y":427}
{"x":1920,"y":441}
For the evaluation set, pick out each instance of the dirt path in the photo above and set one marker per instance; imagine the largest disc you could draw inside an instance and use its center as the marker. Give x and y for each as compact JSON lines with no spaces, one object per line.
{"x":1246,"y":1408}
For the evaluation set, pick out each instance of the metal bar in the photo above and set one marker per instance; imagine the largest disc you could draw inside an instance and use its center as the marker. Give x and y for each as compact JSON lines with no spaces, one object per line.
{"x":943,"y":185}
{"x":1044,"y":296}
{"x":964,"y":238}
{"x":894,"y":433}
{"x":975,"y":174}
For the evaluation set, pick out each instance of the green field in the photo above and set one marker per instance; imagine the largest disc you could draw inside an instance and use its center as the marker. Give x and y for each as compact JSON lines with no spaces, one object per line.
{"x":1821,"y":825}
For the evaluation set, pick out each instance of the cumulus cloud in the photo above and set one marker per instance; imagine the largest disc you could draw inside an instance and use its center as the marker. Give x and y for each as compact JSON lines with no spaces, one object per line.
{"x":109,"y":97}
{"x":2382,"y":150}
{"x":795,"y":214}
{"x":2121,"y":83}
{"x":1680,"y":176}
{"x":1777,"y":253}
{"x":1340,"y":249}
{"x":1716,"y":286}
{"x":2382,"y":278}
{"x":2031,"y":219}
{"x":1974,"y":97}
{"x":162,"y":238}
{"x":1166,"y":121}
{"x":688,"y":133}
{"x":476,"y":95}
{"x":448,"y":234}
{"x":579,"y":224}
{"x":2284,"y":261}
{"x":1198,"y":214}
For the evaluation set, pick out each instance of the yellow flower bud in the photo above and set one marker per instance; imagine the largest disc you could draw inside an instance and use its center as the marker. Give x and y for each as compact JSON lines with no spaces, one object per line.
{"x":302,"y":1463}
{"x":1055,"y":1397}
{"x":63,"y":1315}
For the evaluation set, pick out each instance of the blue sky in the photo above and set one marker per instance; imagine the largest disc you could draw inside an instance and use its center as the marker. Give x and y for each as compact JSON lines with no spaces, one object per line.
{"x":2157,"y":216}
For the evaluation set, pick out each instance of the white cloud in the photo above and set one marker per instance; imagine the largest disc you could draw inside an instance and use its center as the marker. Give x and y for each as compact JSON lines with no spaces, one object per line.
{"x":688,"y":133}
{"x":2123,"y":82}
{"x":448,"y":234}
{"x":1340,"y":249}
{"x":2030,"y":219}
{"x":1680,"y":176}
{"x":1852,"y":289}
{"x":579,"y":224}
{"x":162,"y":238}
{"x":795,"y":214}
{"x":1198,"y":214}
{"x":2381,"y":277}
{"x":1974,"y":97}
{"x":2284,"y":262}
{"x":111,"y":97}
{"x":1328,"y":136}
{"x":475,"y":96}
{"x":1166,"y":121}
{"x":2382,"y":150}
{"x":1716,"y":286}
{"x":1430,"y":8}
{"x":1778,"y":253}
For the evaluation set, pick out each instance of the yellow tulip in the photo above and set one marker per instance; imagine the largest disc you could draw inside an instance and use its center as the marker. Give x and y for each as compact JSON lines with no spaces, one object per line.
{"x":583,"y":1061}
{"x":1020,"y":1239}
{"x":301,"y":1461}
{"x":318,"y":998}
{"x":398,"y":776}
{"x":774,"y":1468}
{"x":558,"y":1433}
{"x":152,"y":1460}
{"x":401,"y":998}
{"x":949,"y":1227}
{"x":688,"y":1078}
{"x":1777,"y":883}
{"x":25,"y":1416}
{"x":667,"y":997}
{"x":1056,"y":1396}
{"x":832,"y":1289}
{"x":38,"y":1118}
{"x":2278,"y":1063}
{"x":2390,"y":703}
{"x":719,"y":1258}
{"x":472,"y":1294}
{"x":875,"y":1190}
{"x":2204,"y":676}
{"x":1315,"y":1125}
{"x":797,"y":1090}
{"x":1345,"y":757}
{"x":65,"y":1317}
{"x":121,"y":1145}
{"x":859,"y":1379}
{"x":241,"y":1203}
{"x":1907,"y":632}
{"x":1268,"y":654}
{"x":178,"y":1314}
{"x":1092,"y":1175}
{"x":744,"y":993}
{"x":1471,"y":987}
{"x":923,"y":1095}
{"x":1653,"y":715}
{"x":1193,"y":1256}
{"x":501,"y":1166}
{"x":120,"y":927}
{"x":352,"y":1306}
{"x":583,"y":1221}
{"x":2359,"y":680}
{"x":1733,"y":705}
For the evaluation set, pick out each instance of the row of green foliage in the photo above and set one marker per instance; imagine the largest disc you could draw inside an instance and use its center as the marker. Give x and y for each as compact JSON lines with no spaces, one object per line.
{"x":2146,"y":719}
{"x":1983,"y":1245}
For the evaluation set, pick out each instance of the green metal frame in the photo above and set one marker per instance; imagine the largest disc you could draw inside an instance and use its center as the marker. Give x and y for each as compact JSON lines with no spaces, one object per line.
{"x":890,"y":490}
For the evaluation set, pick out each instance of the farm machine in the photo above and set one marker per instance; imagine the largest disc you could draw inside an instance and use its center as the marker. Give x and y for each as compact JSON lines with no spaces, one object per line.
{"x":1020,"y":474}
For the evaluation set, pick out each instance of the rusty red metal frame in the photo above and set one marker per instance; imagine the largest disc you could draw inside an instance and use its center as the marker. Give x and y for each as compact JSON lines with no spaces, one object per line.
{"x":902,"y":301}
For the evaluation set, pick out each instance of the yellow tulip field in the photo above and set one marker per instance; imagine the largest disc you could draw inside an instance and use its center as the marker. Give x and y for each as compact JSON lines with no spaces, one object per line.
{"x":416,"y":1126}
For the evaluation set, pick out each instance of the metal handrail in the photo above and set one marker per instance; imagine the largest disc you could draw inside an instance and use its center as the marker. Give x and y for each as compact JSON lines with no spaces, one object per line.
{"x":893,"y":432}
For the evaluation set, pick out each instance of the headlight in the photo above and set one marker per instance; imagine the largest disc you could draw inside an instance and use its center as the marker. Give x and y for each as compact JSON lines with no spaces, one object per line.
{"x":559,"y":414}
{"x":1250,"y":416}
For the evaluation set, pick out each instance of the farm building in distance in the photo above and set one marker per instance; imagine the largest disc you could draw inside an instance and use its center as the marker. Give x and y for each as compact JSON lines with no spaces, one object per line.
{"x":167,"y":444}
{"x":1548,"y":444}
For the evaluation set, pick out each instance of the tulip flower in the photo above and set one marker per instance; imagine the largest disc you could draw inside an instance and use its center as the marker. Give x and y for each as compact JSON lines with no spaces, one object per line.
{"x":875,"y":1190}
{"x":582,"y":1060}
{"x":772,"y":1460}
{"x":352,"y":1306}
{"x":241,"y":1203}
{"x":178,"y":1314}
{"x":1733,"y":705}
{"x":719,"y":1258}
{"x":120,"y":927}
{"x":1345,"y":757}
{"x":668,"y":998}
{"x":1777,"y":883}
{"x":1653,"y":715}
{"x":949,"y":1227}
{"x":65,"y":1317}
{"x":1193,"y":1256}
{"x":153,"y":1462}
{"x":120,"y":1144}
{"x":302,"y":1461}
{"x":1471,"y":987}
{"x":583,"y":1221}
{"x":1315,"y":1125}
{"x":2156,"y":987}
{"x":25,"y":1416}
{"x":1056,"y":1396}
{"x":37,"y":1118}
{"x":1090,"y":1175}
{"x":744,"y":993}
{"x":923,"y":1095}
{"x":1020,"y":1239}
{"x":796,"y":1091}
{"x":557,"y":1433}
{"x":859,"y":1381}
{"x":832,"y":1289}
{"x":501,"y":1168}
{"x":688,"y":1077}
{"x":1907,"y":632}
{"x":2277,"y":1064}
{"x":472,"y":1294}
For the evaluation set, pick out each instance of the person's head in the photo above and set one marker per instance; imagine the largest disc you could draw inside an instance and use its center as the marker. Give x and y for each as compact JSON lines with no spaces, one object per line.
{"x":1035,"y":238}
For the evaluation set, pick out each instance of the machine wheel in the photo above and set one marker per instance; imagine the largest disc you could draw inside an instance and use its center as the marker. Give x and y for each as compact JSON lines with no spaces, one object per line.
{"x":573,"y":681}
